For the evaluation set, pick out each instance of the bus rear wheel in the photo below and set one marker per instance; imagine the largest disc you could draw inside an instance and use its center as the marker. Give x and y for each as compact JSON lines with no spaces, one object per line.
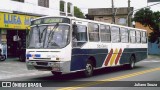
{"x":88,"y":69}
{"x":131,"y":64}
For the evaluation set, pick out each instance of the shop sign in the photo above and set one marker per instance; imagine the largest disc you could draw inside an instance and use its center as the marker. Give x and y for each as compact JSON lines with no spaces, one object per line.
{"x":14,"y":21}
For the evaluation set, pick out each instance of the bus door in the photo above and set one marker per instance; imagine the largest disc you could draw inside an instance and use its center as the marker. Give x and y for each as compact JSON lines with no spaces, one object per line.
{"x":79,"y":34}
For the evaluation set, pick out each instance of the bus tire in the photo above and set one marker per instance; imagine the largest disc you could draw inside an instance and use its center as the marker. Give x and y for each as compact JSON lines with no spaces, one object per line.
{"x":88,"y":69}
{"x":56,"y":74}
{"x":131,"y":64}
{"x":22,"y":58}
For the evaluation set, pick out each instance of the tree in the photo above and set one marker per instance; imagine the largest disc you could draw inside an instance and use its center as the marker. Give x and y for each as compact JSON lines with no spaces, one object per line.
{"x":151,"y":19}
{"x":78,"y":13}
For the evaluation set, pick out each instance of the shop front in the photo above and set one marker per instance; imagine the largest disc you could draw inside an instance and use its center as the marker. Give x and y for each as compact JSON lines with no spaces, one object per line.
{"x":13,"y":33}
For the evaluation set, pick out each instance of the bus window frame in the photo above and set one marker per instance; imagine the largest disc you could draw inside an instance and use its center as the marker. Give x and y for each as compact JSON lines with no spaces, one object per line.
{"x":105,"y":32}
{"x":144,"y":37}
{"x":138,"y":37}
{"x":125,"y":29}
{"x":132,"y":36}
{"x":116,"y":34}
{"x":89,"y":23}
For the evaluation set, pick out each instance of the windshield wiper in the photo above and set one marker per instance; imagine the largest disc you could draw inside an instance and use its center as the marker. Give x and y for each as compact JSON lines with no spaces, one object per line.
{"x":38,"y":29}
{"x":41,"y":35}
{"x":51,"y":34}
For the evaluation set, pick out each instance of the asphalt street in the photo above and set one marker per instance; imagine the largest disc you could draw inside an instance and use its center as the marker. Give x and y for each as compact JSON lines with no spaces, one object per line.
{"x":146,"y":70}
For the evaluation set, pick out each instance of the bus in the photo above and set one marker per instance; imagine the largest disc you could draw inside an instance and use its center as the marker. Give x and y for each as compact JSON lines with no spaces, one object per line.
{"x":63,"y":44}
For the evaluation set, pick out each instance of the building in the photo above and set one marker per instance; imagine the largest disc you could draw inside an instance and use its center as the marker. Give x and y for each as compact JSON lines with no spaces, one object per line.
{"x":105,"y":15}
{"x":15,"y":16}
{"x":138,"y":25}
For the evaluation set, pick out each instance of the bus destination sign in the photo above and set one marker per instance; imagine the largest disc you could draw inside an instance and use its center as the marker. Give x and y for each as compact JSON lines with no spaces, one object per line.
{"x":50,"y":20}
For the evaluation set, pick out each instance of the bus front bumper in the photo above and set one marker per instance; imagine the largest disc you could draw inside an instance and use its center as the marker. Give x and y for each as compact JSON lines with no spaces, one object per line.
{"x":49,"y":66}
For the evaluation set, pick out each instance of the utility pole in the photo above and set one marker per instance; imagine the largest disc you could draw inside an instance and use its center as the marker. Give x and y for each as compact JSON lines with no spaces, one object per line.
{"x":129,"y":17}
{"x":113,"y":13}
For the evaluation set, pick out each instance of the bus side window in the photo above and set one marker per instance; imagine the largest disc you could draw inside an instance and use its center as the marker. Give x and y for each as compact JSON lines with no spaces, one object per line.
{"x":138,"y":36}
{"x":93,"y":30}
{"x":115,"y":35}
{"x":124,"y":35}
{"x":132,"y":36}
{"x":74,"y":29}
{"x":79,"y":35}
{"x":144,"y":37}
{"x":105,"y":33}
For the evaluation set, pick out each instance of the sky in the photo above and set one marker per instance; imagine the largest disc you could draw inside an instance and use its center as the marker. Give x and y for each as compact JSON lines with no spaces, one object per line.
{"x":85,"y":4}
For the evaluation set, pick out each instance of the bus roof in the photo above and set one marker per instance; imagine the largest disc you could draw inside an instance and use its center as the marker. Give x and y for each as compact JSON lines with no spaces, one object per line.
{"x":86,"y":20}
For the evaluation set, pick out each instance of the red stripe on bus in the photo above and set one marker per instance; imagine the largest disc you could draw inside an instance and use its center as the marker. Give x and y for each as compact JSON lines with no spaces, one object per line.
{"x":118,"y":56}
{"x":109,"y":57}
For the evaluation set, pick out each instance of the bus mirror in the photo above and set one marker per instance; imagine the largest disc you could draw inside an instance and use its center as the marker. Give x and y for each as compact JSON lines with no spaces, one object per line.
{"x":27,"y":30}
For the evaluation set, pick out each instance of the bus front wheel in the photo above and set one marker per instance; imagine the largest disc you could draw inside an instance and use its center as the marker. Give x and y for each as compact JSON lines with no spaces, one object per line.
{"x":88,"y":69}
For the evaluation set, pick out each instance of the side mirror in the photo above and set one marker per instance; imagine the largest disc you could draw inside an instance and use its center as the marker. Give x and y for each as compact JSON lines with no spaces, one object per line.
{"x":27,"y":30}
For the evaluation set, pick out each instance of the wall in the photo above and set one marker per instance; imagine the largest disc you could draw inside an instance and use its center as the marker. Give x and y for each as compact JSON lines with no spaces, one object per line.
{"x":153,"y":48}
{"x":108,"y":19}
{"x":30,"y":6}
{"x":138,"y":25}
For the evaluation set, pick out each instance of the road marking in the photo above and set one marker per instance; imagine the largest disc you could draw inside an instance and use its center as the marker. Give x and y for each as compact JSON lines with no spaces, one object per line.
{"x":109,"y":79}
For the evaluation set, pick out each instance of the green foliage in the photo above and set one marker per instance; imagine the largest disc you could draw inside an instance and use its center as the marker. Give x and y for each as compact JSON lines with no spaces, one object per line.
{"x":151,"y":19}
{"x":78,"y":13}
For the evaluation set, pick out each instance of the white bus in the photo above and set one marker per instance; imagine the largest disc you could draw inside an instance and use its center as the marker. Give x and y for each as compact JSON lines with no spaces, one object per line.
{"x":69,"y":44}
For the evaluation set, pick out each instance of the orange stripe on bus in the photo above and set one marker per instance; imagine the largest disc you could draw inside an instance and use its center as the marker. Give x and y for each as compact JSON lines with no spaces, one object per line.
{"x":109,"y":57}
{"x":118,"y":56}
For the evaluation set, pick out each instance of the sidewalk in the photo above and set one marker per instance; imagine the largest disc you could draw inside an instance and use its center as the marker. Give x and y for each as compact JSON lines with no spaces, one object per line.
{"x":13,"y":68}
{"x":154,"y":57}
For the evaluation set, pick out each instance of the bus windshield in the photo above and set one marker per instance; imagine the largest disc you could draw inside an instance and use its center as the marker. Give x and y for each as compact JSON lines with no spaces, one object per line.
{"x":53,"y":36}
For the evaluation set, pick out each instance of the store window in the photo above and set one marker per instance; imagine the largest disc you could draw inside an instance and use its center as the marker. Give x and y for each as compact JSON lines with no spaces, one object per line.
{"x":122,"y":21}
{"x":43,"y":3}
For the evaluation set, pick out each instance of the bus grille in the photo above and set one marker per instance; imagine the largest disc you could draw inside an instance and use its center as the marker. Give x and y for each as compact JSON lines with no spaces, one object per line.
{"x":42,"y":63}
{"x":43,"y":68}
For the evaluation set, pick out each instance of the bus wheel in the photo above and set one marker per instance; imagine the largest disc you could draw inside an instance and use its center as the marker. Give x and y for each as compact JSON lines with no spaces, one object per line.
{"x":2,"y":57}
{"x":88,"y":69}
{"x":132,"y":62}
{"x":22,"y":58}
{"x":56,"y":74}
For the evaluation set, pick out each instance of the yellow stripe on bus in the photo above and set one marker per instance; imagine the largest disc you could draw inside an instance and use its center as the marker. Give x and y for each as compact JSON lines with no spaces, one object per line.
{"x":113,"y":57}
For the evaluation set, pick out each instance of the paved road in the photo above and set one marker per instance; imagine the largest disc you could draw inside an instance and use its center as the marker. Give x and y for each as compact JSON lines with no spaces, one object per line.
{"x":147,"y":70}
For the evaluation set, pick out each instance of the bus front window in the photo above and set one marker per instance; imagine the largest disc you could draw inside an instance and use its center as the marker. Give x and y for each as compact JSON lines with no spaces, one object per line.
{"x":49,"y":36}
